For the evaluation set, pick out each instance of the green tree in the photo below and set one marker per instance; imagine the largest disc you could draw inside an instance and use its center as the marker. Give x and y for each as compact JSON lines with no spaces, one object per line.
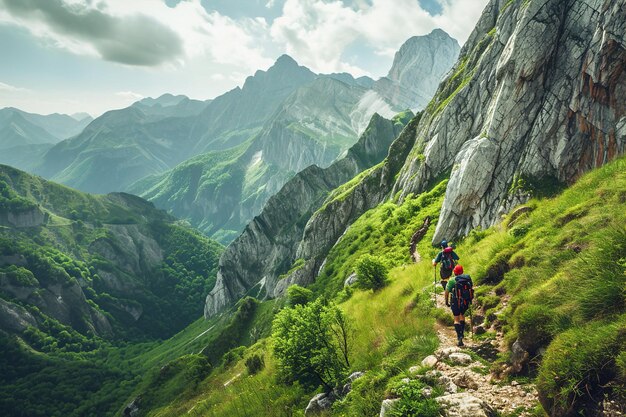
{"x":298,"y":295}
{"x":372,"y":272}
{"x":311,"y":344}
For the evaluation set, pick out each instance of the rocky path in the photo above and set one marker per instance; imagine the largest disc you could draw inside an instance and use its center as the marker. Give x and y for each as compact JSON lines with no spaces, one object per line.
{"x":470,"y":387}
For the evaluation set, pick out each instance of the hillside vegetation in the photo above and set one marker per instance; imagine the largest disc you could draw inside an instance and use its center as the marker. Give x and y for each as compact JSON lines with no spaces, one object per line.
{"x":83,"y":279}
{"x":551,"y":277}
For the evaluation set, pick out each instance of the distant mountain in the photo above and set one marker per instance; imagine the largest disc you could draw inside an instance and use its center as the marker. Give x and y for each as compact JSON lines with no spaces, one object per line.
{"x":169,"y":105}
{"x":154,"y":135}
{"x":418,"y":68}
{"x":219,"y":192}
{"x":17,"y":125}
{"x":25,"y":137}
{"x":17,"y":130}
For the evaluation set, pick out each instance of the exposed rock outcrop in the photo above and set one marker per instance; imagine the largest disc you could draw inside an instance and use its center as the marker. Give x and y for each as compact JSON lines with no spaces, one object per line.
{"x":535,"y":97}
{"x":31,"y":217}
{"x":417,"y":70}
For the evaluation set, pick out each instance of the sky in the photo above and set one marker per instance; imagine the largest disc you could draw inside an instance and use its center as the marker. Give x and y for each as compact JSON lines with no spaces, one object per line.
{"x":71,"y":56}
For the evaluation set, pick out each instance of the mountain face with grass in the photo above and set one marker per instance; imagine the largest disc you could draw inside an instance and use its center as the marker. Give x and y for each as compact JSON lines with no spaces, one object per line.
{"x":25,"y":137}
{"x":220,"y":192}
{"x":510,"y":121}
{"x":535,"y":100}
{"x":110,"y":266}
{"x":417,"y":70}
{"x":266,"y":250}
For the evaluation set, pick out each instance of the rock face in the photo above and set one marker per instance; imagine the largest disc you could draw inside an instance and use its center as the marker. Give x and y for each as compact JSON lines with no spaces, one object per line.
{"x":31,"y":217}
{"x":417,"y":70}
{"x":533,"y":100}
{"x":267,"y":247}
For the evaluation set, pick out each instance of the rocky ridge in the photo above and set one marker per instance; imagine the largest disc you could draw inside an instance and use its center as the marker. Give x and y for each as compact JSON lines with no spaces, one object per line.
{"x":267,"y":247}
{"x":534,"y":100}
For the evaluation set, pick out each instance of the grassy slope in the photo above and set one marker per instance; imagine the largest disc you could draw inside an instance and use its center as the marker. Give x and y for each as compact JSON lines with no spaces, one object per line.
{"x":390,"y":330}
{"x":529,"y":260}
{"x":60,"y":370}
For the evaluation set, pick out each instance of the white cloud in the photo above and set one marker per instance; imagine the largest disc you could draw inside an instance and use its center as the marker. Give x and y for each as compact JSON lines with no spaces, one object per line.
{"x":316,"y":32}
{"x":7,"y":88}
{"x":141,"y":32}
{"x":129,"y":95}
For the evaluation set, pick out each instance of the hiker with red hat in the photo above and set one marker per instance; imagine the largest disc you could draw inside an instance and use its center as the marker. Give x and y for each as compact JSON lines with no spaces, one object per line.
{"x":448,"y":259}
{"x":461,"y":288}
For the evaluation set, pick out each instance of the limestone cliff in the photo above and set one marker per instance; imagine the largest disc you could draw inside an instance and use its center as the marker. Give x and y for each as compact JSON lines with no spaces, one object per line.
{"x":267,"y":247}
{"x":536,"y":98}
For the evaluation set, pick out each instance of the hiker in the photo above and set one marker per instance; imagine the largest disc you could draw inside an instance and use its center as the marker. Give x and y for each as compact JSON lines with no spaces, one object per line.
{"x":448,"y":259}
{"x":461,"y":288}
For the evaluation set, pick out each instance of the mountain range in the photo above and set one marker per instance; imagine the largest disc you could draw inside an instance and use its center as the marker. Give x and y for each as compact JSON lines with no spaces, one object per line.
{"x":278,"y":123}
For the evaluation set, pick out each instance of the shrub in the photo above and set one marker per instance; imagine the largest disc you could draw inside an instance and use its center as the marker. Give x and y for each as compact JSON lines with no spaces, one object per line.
{"x":534,"y":326}
{"x":372,"y":272}
{"x":412,"y":401}
{"x":297,"y":295}
{"x":233,"y":355}
{"x":311,"y":344}
{"x":255,"y":364}
{"x":577,"y":367}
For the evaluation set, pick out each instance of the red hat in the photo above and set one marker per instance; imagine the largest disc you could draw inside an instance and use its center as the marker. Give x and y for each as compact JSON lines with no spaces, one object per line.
{"x":458,"y":270}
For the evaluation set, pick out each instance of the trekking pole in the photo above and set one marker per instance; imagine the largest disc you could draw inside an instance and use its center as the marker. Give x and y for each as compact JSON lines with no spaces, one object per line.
{"x":435,"y":285}
{"x":471,"y":322}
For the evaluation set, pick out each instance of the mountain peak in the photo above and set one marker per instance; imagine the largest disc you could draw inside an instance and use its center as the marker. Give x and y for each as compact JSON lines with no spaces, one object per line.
{"x":164,"y":100}
{"x":284,"y":60}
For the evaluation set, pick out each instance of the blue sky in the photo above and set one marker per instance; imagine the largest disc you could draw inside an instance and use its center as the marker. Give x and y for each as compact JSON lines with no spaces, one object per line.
{"x":72,"y":56}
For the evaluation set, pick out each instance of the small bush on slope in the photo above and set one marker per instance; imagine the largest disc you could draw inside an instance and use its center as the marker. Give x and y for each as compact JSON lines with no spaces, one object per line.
{"x":372,"y":272}
{"x":311,"y":344}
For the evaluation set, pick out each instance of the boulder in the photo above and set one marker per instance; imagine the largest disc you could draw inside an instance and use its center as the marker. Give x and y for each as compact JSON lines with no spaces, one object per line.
{"x":464,"y":404}
{"x":460,"y":358}
{"x":446,"y":382}
{"x":318,"y":404}
{"x":351,"y":280}
{"x":519,"y":358}
{"x":348,"y":387}
{"x":466,"y":379}
{"x":132,"y":409}
{"x":430,"y":361}
{"x":387,"y":406}
{"x":446,"y":352}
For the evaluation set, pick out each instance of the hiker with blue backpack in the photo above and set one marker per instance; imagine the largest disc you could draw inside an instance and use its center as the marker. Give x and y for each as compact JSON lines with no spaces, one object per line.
{"x":459,"y":295}
{"x":448,"y":259}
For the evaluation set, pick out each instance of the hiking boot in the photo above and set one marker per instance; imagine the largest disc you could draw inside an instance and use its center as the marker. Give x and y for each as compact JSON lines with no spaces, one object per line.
{"x":460,"y":342}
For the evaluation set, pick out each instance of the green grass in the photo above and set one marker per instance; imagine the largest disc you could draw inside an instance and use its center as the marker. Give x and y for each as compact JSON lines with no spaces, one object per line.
{"x":566,"y":271}
{"x":384,"y":231}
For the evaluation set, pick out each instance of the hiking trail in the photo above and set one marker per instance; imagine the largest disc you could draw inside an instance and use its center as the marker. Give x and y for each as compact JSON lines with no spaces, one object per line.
{"x":465,"y":374}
